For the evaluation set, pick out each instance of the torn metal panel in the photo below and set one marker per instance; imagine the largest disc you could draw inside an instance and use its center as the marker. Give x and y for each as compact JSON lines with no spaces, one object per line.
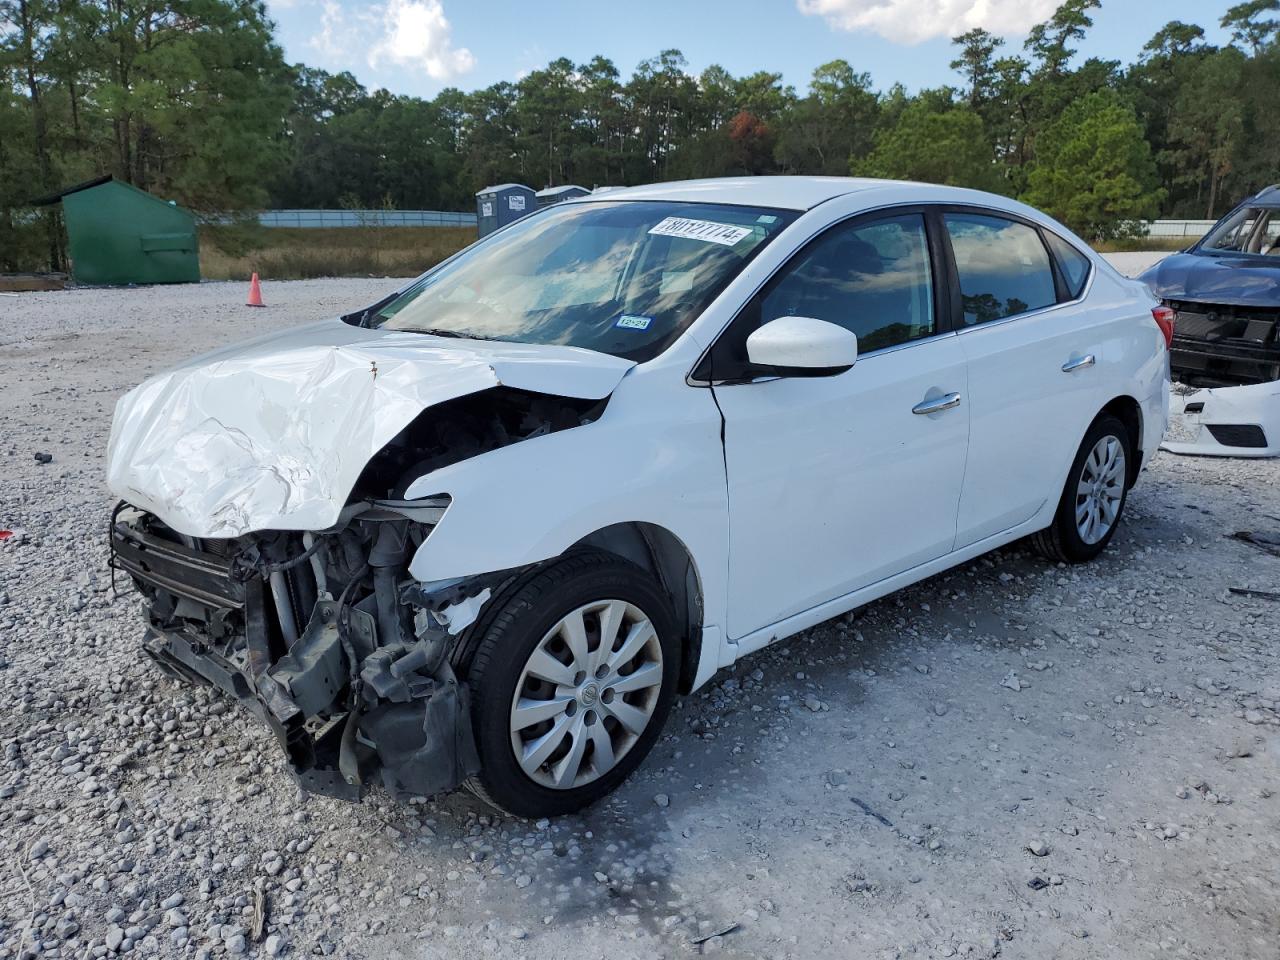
{"x":1231,"y":421}
{"x":274,"y":435}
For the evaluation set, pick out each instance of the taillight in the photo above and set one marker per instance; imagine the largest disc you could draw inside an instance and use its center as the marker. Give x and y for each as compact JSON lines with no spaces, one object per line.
{"x":1164,"y":320}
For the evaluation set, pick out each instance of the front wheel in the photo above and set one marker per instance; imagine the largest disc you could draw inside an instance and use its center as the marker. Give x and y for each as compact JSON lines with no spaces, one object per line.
{"x":572,"y":681}
{"x":1094,"y":496}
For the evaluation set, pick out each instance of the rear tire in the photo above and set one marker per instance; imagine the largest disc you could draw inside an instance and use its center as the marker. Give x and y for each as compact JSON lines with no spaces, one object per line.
{"x":1094,"y":496}
{"x":583,"y":652}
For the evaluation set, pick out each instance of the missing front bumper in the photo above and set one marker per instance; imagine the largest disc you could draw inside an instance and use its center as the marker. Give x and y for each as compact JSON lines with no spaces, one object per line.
{"x":419,"y":747}
{"x":363,"y":696}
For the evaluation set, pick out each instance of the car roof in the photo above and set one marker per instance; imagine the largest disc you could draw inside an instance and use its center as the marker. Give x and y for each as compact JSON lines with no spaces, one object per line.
{"x":1266,"y":197}
{"x":805,"y":193}
{"x":787,"y":193}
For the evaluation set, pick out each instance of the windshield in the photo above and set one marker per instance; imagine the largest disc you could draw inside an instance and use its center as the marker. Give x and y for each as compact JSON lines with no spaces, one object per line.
{"x":1248,"y":230}
{"x":621,"y":277}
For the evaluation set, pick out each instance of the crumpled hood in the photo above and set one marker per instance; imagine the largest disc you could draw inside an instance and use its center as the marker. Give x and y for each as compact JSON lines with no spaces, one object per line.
{"x":1239,"y":281}
{"x":273,"y":434}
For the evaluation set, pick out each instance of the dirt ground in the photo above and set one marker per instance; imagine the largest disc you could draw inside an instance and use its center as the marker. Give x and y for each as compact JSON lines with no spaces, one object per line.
{"x":1009,"y":759}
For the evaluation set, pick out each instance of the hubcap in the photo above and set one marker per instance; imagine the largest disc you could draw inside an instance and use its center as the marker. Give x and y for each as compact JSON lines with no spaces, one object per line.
{"x":586,"y":694}
{"x":1100,"y":490}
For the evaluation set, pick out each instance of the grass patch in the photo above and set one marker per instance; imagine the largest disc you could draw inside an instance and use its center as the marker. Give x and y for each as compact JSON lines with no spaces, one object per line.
{"x":1143,"y":244}
{"x":234,"y":252}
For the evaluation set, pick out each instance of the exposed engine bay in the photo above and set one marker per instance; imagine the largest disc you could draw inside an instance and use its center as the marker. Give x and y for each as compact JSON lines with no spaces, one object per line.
{"x":325,"y":635}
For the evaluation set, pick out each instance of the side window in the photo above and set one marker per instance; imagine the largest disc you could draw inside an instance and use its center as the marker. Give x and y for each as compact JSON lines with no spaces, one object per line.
{"x":873,"y":279}
{"x":1003,"y":267}
{"x":1073,"y":264}
{"x":1271,"y":234}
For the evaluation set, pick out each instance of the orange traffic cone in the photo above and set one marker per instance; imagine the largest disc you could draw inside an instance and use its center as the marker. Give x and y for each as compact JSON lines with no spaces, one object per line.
{"x":255,"y":293}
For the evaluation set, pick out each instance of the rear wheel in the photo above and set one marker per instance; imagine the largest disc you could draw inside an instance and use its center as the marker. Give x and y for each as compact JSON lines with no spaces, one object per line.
{"x":1094,"y":496}
{"x":572,"y":681}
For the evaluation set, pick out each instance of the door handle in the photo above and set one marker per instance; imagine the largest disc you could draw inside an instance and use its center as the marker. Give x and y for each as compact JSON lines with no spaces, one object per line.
{"x":938,"y":404}
{"x":1079,"y":363}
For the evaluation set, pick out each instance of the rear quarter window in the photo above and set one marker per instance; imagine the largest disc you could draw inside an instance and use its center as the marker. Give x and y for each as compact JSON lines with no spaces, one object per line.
{"x":1074,"y":265}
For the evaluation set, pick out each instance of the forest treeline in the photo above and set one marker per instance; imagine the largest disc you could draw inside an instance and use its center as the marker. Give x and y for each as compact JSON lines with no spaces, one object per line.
{"x":193,"y":100}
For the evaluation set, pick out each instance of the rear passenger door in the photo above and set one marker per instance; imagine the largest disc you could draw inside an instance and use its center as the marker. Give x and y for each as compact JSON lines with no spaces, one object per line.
{"x":1033,"y":353}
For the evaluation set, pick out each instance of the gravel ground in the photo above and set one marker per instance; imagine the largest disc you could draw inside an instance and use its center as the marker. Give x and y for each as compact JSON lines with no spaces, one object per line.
{"x":1132,"y":264}
{"x":1010,"y":759}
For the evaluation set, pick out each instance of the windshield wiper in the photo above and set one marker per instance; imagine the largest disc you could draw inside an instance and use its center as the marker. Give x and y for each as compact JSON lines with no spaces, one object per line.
{"x":451,"y":334}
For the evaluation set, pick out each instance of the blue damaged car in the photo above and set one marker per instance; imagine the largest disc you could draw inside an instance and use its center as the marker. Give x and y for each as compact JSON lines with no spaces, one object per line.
{"x":1225,"y":291}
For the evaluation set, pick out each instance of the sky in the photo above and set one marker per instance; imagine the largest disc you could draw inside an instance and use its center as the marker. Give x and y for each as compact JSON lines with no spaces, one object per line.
{"x":419,"y":47}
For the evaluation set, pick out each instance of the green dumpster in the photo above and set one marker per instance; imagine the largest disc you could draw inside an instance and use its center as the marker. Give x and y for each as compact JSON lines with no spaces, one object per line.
{"x":118,"y":234}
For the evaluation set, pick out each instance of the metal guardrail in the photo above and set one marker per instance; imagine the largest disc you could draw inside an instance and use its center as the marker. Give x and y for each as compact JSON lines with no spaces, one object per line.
{"x":1193,"y":229}
{"x":366,"y":218}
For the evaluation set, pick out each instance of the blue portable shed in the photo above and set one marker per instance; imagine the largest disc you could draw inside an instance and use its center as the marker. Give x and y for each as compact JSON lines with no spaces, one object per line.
{"x":504,"y":203}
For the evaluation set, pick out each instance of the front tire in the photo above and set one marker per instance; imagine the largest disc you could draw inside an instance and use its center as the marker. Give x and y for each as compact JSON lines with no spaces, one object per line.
{"x":572,"y":679}
{"x":1093,"y":499}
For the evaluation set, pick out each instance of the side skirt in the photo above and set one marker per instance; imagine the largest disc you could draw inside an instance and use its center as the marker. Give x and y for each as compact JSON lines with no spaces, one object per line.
{"x":850,"y":601}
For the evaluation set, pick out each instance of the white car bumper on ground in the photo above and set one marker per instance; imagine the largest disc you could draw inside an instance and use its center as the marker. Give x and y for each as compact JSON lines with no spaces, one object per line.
{"x":1230,"y":421}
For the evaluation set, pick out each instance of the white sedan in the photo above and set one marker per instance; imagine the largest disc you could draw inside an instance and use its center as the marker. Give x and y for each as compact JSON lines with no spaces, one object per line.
{"x":487,"y":529}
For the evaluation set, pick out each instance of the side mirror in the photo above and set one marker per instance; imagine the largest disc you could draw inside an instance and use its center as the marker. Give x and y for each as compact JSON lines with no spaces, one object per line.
{"x":803,"y":347}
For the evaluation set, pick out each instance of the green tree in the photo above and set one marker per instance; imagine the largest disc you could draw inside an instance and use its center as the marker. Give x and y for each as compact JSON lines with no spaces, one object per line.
{"x":1167,"y":62}
{"x":1206,"y":125}
{"x":934,"y":142}
{"x":833,"y":125}
{"x":977,"y":63}
{"x":1049,"y":42}
{"x":603,"y":143}
{"x":190,"y":99}
{"x":1093,"y":169}
{"x":661,"y":96}
{"x":1248,"y":25}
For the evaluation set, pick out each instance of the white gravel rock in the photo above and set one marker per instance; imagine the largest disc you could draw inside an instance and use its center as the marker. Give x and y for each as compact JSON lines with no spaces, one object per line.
{"x":145,"y":814}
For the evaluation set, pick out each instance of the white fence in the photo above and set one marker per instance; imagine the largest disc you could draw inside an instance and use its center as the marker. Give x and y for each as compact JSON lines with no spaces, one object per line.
{"x":366,"y":218}
{"x":1191,"y":229}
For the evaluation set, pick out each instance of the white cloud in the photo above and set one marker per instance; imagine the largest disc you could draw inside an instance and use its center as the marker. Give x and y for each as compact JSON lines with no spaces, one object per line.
{"x":914,"y":21}
{"x":415,"y":33}
{"x":332,"y":27}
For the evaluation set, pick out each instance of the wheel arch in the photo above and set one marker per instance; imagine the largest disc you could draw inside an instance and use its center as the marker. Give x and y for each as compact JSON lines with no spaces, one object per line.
{"x":657,"y":550}
{"x":654,"y":549}
{"x":1129,"y":412}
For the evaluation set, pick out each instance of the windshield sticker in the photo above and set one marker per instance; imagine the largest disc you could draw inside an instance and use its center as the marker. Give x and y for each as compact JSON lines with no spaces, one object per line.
{"x":704,"y":230}
{"x":630,"y":321}
{"x":676,"y":281}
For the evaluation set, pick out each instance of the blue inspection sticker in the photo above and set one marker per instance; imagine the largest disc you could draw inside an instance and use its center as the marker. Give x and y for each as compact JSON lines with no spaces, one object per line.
{"x":630,"y":321}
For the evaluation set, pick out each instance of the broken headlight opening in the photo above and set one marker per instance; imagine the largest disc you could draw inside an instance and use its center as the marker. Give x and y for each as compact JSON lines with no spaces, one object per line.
{"x":324,"y":636}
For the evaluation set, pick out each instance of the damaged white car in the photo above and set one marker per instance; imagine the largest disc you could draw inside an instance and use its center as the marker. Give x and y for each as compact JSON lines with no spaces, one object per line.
{"x":487,"y":529}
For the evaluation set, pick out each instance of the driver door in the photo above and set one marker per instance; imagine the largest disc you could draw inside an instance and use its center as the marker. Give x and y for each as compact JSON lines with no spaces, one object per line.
{"x":837,"y":482}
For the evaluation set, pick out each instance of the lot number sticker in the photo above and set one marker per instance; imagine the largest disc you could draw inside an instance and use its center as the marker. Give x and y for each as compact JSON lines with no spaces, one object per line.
{"x":704,"y":230}
{"x":630,"y":321}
